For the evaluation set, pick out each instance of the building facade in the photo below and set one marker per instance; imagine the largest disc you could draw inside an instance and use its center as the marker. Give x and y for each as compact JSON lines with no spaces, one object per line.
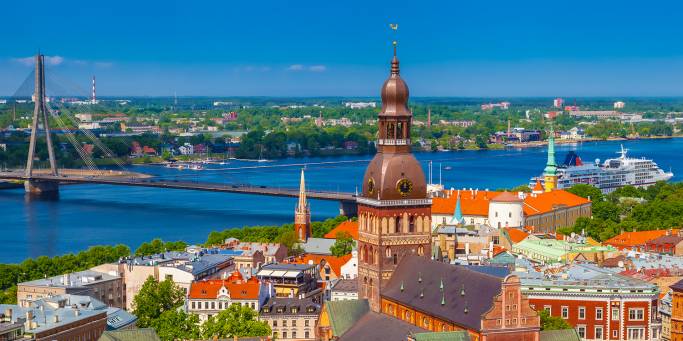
{"x":105,"y":287}
{"x":600,"y":305}
{"x":292,"y":318}
{"x":207,"y":298}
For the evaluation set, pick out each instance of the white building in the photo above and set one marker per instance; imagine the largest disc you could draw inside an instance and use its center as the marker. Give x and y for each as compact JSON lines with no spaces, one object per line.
{"x":619,"y":105}
{"x":344,"y":289}
{"x":360,"y":105}
{"x":186,"y":149}
{"x":350,"y":269}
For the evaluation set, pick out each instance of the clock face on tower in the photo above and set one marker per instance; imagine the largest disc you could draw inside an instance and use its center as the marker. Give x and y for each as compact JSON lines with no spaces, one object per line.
{"x":371,"y":185}
{"x":404,"y":187}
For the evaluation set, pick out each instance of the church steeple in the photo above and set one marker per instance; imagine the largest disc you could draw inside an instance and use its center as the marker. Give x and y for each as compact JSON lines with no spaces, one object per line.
{"x":457,"y":214}
{"x":302,"y":213}
{"x":550,"y":171}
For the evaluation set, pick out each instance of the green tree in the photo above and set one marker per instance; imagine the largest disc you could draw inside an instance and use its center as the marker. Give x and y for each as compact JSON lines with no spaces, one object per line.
{"x":343,"y":245}
{"x":236,"y":321}
{"x":549,"y":322}
{"x":177,"y":325}
{"x":586,"y":191}
{"x":154,"y":298}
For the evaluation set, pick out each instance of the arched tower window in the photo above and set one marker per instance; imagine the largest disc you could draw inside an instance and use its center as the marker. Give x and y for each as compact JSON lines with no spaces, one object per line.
{"x":420,"y":250}
{"x":411,"y":224}
{"x":387,"y":252}
{"x":390,"y":131}
{"x":399,"y":130}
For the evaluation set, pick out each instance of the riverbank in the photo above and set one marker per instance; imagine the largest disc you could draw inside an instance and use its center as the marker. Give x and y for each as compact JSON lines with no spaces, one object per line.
{"x":610,"y":139}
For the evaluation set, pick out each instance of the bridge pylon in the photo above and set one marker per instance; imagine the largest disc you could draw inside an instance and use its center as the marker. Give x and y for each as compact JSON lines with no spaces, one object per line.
{"x":40,"y":112}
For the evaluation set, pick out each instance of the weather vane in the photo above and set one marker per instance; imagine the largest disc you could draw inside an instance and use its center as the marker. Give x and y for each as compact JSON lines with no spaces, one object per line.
{"x":394,"y":27}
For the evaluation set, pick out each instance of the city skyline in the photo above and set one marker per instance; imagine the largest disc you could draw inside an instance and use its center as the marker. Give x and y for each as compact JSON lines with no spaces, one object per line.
{"x":311,"y":49}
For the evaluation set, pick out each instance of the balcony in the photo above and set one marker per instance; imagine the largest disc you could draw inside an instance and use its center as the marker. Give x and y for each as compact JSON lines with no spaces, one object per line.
{"x":394,"y":142}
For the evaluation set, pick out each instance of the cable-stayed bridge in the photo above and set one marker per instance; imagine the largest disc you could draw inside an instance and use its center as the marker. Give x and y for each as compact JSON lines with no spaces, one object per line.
{"x":47,"y":183}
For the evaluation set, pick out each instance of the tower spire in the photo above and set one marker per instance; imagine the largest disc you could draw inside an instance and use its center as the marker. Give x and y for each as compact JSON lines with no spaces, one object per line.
{"x":457,"y":214}
{"x":550,"y":171}
{"x":302,"y":192}
{"x":302,"y":213}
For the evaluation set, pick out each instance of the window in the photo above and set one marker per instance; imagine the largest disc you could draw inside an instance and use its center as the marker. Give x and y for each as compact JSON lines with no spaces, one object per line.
{"x":615,"y":334}
{"x":213,"y":305}
{"x":274,"y":323}
{"x":387,"y":252}
{"x":548,"y":309}
{"x":395,"y":259}
{"x":598,"y":313}
{"x":293,"y":323}
{"x":615,"y":314}
{"x":193,"y":305}
{"x":293,"y":335}
{"x":636,"y":314}
{"x":284,"y":335}
{"x":306,"y":335}
{"x":169,"y":277}
{"x":582,"y":313}
{"x":565,"y":312}
{"x":598,"y":333}
{"x":206,"y":305}
{"x":306,"y":323}
{"x":635,"y":334}
{"x":284,"y":323}
{"x":425,"y":322}
{"x":582,"y":331}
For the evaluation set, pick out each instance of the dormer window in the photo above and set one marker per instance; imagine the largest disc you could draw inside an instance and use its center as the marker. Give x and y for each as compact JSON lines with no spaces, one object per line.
{"x":280,"y":310}
{"x":310,"y":309}
{"x":295,"y":310}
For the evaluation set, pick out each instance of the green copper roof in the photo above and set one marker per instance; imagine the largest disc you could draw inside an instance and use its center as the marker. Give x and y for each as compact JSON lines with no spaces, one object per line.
{"x":559,"y":335}
{"x":551,"y":165}
{"x":457,"y":214}
{"x":142,"y":334}
{"x":442,"y":336}
{"x":344,"y":314}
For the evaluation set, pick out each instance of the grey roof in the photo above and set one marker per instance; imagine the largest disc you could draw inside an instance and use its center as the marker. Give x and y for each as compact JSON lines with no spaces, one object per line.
{"x":118,"y":318}
{"x":460,"y":335}
{"x":73,"y":280}
{"x":497,"y":271}
{"x":249,"y":248}
{"x":466,"y":294}
{"x":189,"y":262}
{"x":306,"y":306}
{"x":346,"y":285}
{"x":374,"y":326}
{"x":318,"y":246}
{"x":67,"y":309}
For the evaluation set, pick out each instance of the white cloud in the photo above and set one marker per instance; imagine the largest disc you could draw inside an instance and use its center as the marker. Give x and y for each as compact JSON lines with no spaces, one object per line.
{"x":302,"y":67}
{"x":295,"y":67}
{"x":54,"y":60}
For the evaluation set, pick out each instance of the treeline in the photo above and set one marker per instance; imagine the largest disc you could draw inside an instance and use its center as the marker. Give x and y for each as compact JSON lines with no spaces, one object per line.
{"x":305,"y":140}
{"x":659,"y":206}
{"x":272,"y":234}
{"x":41,"y":267}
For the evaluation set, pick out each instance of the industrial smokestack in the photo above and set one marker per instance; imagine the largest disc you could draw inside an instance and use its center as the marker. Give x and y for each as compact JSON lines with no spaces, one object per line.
{"x":94,"y":95}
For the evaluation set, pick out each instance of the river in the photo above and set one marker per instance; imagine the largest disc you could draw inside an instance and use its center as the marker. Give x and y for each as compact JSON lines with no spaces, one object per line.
{"x":86,"y":215}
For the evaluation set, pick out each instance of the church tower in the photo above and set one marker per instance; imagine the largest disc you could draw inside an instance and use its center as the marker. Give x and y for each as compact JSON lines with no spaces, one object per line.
{"x":393,"y":209}
{"x":302,"y":213}
{"x":550,"y":171}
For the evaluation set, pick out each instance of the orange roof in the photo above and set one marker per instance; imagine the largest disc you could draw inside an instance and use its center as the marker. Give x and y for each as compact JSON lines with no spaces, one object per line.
{"x":472,"y":202}
{"x":545,"y":202}
{"x":351,"y":227}
{"x":516,"y":235}
{"x":507,"y":197}
{"x":497,"y":249}
{"x":237,"y":289}
{"x":638,"y":238}
{"x":334,"y":262}
{"x":538,"y":187}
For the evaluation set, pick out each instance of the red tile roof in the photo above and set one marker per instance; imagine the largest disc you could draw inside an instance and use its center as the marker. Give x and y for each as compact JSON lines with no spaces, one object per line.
{"x":638,"y":238}
{"x":516,"y":235}
{"x":471,"y":202}
{"x":334,"y":262}
{"x":350,"y":227}
{"x":238,"y":289}
{"x":547,"y":201}
{"x":476,"y":203}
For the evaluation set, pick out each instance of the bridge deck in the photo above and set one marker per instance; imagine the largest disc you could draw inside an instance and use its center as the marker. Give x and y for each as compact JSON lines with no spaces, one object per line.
{"x":187,"y":185}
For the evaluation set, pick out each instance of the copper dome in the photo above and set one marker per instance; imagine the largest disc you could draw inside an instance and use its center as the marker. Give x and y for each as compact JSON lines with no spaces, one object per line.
{"x":395,"y":93}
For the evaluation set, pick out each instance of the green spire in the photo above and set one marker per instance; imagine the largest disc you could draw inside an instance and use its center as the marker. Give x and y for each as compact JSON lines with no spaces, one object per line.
{"x":457,"y":214}
{"x":551,"y":165}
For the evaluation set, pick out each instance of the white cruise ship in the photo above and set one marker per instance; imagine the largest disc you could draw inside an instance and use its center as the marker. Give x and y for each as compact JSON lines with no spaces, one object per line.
{"x":610,"y":175}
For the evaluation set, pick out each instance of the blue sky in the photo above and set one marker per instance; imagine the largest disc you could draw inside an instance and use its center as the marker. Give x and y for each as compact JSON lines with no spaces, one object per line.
{"x":342,"y":48}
